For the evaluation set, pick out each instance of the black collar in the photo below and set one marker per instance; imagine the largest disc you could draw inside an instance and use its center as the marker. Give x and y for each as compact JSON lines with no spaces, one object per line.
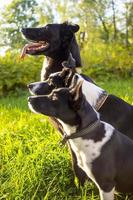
{"x":80,"y":133}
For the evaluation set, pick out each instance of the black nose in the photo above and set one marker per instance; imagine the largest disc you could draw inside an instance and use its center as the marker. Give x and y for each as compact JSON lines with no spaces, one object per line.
{"x":23,"y":30}
{"x":29,"y":86}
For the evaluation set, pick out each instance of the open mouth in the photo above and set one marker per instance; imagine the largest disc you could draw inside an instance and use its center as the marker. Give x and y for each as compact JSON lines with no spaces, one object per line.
{"x":34,"y":48}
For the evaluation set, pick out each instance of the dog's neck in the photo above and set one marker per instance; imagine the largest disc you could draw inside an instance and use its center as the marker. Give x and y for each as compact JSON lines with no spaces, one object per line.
{"x":54,"y":62}
{"x":91,"y":91}
{"x":52,"y":65}
{"x":87,"y":116}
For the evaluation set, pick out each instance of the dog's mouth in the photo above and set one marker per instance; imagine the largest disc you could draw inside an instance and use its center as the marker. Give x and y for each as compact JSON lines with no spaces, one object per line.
{"x":34,"y":48}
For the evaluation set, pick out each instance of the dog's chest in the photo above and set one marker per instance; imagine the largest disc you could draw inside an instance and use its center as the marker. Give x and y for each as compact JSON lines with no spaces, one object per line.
{"x":87,"y":150}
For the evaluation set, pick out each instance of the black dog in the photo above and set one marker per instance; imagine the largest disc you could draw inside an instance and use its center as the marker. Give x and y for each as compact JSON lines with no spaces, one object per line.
{"x":56,"y":80}
{"x":93,"y":94}
{"x":102,"y":152}
{"x":56,"y":42}
{"x":114,"y":110}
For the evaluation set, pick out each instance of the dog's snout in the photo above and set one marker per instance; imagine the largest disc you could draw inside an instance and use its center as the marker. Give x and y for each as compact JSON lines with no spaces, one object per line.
{"x":29,"y":86}
{"x":23,"y":30}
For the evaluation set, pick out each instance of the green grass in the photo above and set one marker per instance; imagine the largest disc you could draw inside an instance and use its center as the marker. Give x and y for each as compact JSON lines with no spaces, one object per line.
{"x":33,"y":165}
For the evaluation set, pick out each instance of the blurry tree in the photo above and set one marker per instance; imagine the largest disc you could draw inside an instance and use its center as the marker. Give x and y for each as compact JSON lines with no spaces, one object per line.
{"x":106,"y":27}
{"x":18,"y":14}
{"x":129,"y":23}
{"x":45,"y":12}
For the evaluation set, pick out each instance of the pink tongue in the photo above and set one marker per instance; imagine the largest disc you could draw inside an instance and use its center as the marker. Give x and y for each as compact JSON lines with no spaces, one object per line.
{"x":30,"y":46}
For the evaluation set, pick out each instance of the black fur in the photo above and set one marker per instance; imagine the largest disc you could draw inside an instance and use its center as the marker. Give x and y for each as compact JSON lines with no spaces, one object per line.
{"x":61,"y":40}
{"x":114,"y":166}
{"x":114,"y":111}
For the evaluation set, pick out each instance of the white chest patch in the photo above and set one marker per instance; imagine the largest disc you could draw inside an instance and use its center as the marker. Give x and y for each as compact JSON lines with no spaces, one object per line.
{"x":88,"y":150}
{"x":43,"y":71}
{"x":91,"y":91}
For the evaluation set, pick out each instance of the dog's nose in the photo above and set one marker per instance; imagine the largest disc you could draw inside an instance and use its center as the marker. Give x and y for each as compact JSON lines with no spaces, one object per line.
{"x":29,"y":86}
{"x":23,"y":30}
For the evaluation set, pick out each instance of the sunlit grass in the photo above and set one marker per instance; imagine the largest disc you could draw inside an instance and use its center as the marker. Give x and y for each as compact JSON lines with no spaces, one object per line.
{"x":33,"y":165}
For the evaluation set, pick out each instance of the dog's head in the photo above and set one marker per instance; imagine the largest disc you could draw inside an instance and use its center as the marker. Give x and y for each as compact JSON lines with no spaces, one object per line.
{"x":64,"y":78}
{"x":62,"y":103}
{"x":50,"y":39}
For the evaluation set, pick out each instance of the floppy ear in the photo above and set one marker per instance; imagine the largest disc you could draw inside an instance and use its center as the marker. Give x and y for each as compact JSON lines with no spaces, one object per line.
{"x":69,"y":78}
{"x":77,"y":95}
{"x":70,"y":63}
{"x":73,"y":84}
{"x":74,"y":27}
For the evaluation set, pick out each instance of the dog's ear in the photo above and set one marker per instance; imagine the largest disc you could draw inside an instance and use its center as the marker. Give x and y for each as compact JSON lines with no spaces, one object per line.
{"x":65,"y":71}
{"x":69,"y":79}
{"x":73,"y":84}
{"x":70,"y":63}
{"x":77,"y":95}
{"x":67,"y":74}
{"x":74,"y":27}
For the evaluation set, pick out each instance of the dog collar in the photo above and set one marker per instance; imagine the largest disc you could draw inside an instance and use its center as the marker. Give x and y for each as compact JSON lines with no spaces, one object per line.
{"x":101,"y":100}
{"x":81,"y":133}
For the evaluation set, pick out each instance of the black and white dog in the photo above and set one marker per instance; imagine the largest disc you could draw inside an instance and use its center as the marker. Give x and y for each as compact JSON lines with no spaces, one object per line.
{"x":56,"y":42}
{"x":114,"y":110}
{"x":102,"y":152}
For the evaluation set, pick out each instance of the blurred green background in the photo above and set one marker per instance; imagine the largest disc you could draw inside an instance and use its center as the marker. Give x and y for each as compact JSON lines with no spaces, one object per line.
{"x":32,"y":164}
{"x":105,"y":37}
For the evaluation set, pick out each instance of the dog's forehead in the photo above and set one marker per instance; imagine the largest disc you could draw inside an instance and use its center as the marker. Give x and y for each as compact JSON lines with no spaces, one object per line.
{"x":61,"y":91}
{"x":57,"y":27}
{"x":54,"y":74}
{"x":53,"y":26}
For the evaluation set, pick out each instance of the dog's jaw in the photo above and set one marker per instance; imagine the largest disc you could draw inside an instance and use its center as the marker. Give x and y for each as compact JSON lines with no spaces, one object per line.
{"x":35,"y":48}
{"x":31,"y":108}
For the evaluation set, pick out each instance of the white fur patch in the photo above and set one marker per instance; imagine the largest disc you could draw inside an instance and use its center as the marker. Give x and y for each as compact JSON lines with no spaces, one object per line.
{"x":43,"y":71}
{"x":31,"y":108}
{"x":88,"y":150}
{"x":78,"y":70}
{"x":91,"y":91}
{"x":107,"y":195}
{"x":67,"y":128}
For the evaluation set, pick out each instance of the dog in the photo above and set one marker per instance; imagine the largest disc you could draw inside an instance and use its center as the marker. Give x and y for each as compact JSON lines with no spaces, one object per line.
{"x":95,"y":97}
{"x":56,"y":42}
{"x":51,"y":40}
{"x":113,"y":110}
{"x":102,"y":152}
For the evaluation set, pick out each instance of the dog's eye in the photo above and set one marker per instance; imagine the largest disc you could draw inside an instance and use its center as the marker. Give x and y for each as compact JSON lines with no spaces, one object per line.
{"x":54,"y":97}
